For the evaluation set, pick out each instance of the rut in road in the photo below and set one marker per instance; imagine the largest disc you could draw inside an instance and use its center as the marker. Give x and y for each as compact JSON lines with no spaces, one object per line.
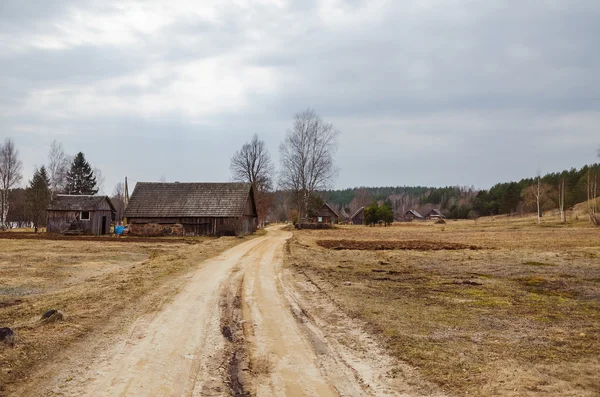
{"x":229,"y":332}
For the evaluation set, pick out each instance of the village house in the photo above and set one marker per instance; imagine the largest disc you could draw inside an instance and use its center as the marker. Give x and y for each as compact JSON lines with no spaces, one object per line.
{"x":326,"y":214}
{"x":411,"y":215}
{"x":80,"y":214}
{"x":434,"y":214}
{"x":359,"y":217}
{"x":192,"y":209}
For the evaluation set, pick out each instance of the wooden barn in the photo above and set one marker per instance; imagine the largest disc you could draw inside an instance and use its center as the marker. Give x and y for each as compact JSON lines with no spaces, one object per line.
{"x":359,"y":217}
{"x":326,"y":214}
{"x":71,"y":214}
{"x":411,"y":215}
{"x":192,"y":209}
{"x":434,"y":214}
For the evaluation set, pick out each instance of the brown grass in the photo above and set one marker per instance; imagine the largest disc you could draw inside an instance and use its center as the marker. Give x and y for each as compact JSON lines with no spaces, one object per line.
{"x":90,"y":282}
{"x":520,"y":316}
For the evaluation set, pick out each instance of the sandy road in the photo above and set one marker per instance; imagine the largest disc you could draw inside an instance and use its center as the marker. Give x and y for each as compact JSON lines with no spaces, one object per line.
{"x":182,"y":350}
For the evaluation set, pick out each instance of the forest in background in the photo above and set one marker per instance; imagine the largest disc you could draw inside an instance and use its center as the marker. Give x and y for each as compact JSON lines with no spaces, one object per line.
{"x":460,"y":202}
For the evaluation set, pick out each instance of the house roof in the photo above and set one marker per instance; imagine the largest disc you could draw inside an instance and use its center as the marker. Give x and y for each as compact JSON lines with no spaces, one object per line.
{"x":357,"y":212}
{"x":330,"y":208}
{"x":66,"y":202}
{"x":435,"y":212}
{"x":174,"y":200}
{"x":414,"y":212}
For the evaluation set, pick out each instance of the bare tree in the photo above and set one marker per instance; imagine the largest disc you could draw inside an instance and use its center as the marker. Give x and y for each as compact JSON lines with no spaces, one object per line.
{"x":307,"y":163}
{"x":10,"y":176}
{"x":253,"y":164}
{"x":118,"y":200}
{"x":99,"y":179}
{"x":538,"y":197}
{"x":561,"y":199}
{"x":58,"y":166}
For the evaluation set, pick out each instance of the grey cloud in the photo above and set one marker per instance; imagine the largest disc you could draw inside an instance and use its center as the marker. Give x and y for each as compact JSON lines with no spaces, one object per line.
{"x":515,"y":67}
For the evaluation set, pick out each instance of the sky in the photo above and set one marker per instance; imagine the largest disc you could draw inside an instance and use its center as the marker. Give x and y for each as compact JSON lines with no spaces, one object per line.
{"x":424,"y":92}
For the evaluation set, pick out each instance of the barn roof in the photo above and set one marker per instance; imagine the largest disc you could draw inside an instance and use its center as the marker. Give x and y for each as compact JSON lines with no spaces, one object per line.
{"x":174,"y":200}
{"x":66,"y":202}
{"x":325,"y":205}
{"x":414,"y":212}
{"x":435,"y":212}
{"x":358,"y":211}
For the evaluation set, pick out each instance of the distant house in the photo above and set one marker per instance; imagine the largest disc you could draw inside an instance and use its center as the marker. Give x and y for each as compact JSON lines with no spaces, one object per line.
{"x":359,"y":217}
{"x":411,"y":215}
{"x":192,"y":209}
{"x":434,"y":214}
{"x":326,"y":214}
{"x":74,"y":214}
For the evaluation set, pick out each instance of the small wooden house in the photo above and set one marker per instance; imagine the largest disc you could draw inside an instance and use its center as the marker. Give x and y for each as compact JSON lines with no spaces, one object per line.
{"x":192,"y":209}
{"x":434,"y":214}
{"x":326,"y":214}
{"x":411,"y":215}
{"x":359,"y":217}
{"x":79,"y":214}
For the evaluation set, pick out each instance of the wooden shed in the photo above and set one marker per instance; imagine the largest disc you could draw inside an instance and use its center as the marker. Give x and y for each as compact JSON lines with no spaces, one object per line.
{"x":411,"y":215}
{"x":434,"y":214}
{"x":192,"y":209}
{"x":80,"y":214}
{"x":359,"y":217}
{"x":327,"y":214}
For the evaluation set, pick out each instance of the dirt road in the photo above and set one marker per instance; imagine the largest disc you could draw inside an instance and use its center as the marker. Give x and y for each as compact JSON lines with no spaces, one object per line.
{"x":235,"y":328}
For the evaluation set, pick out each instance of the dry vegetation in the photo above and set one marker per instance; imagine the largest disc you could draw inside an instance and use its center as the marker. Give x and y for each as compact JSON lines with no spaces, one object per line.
{"x":91,"y":282}
{"x":518,"y":316}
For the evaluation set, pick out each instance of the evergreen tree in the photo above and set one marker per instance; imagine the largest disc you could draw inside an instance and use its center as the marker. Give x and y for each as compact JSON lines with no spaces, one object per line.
{"x":37,"y":197}
{"x":371,"y":214}
{"x":385,"y":213}
{"x":81,"y":179}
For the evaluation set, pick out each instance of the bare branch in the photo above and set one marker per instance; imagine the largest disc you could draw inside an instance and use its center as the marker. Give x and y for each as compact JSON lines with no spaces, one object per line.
{"x":307,"y":157}
{"x":58,"y":166}
{"x":10,"y":175}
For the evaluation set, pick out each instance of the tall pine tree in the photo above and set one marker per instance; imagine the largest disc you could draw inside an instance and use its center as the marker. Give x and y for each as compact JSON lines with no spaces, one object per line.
{"x":37,"y":197}
{"x":81,"y":179}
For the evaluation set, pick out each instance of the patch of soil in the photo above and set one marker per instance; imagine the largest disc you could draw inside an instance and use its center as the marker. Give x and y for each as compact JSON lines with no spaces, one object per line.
{"x":59,"y":237}
{"x":376,"y":245}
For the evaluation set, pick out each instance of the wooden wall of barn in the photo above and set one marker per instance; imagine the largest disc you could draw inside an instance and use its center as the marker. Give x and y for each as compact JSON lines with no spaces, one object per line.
{"x":359,"y":219}
{"x":193,"y":226}
{"x":60,"y":222}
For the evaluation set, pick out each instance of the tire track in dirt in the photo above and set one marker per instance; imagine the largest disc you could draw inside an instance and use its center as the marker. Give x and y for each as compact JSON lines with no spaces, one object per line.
{"x":178,"y":351}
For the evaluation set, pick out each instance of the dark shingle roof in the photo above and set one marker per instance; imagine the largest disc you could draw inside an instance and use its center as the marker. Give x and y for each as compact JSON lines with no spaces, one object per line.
{"x":174,"y":200}
{"x":358,"y":211}
{"x":414,"y":212}
{"x":434,"y":212}
{"x":64,"y":202}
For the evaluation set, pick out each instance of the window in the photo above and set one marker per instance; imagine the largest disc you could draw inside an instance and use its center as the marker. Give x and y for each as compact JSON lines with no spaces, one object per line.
{"x":85,"y":215}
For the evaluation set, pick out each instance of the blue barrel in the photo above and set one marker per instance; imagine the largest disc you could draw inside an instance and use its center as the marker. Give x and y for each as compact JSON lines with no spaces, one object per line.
{"x":119,"y":230}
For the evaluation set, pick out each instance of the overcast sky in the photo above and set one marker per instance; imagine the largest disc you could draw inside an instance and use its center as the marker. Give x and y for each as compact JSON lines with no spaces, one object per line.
{"x":424,"y":92}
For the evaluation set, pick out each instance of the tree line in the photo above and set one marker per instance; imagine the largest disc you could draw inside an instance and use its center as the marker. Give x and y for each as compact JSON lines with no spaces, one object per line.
{"x":554,"y":190}
{"x":63,"y":174}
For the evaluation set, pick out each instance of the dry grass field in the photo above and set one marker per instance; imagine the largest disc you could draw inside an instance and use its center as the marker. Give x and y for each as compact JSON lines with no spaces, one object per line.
{"x":91,"y":282}
{"x":499,"y":306}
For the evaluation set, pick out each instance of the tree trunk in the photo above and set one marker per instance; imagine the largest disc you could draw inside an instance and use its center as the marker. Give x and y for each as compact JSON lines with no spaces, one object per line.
{"x":537,"y":197}
{"x":4,"y":209}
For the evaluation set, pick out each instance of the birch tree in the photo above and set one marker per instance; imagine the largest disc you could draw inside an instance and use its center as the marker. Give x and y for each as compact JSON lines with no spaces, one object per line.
{"x":561,"y":199}
{"x":58,"y":166}
{"x":10,"y":176}
{"x":307,"y":158}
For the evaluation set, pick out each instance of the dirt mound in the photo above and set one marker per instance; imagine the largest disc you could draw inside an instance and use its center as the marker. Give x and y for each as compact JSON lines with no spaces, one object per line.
{"x":375,"y":245}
